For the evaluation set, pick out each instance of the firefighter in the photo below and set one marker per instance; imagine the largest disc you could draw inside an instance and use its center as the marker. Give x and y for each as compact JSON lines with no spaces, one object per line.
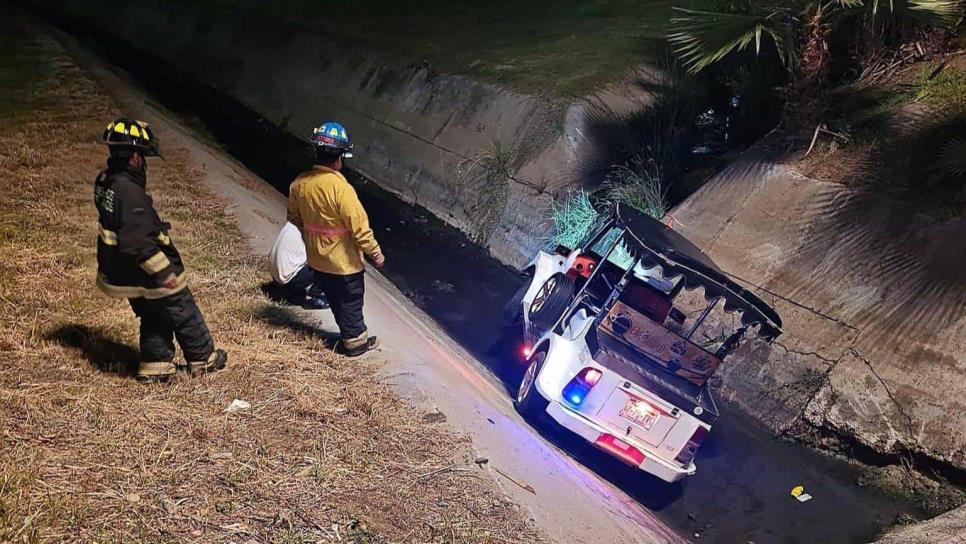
{"x":137,"y":260}
{"x":335,"y":227}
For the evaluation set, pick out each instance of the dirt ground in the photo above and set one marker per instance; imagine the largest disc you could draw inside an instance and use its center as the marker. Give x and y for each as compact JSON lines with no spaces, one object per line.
{"x":325,"y":453}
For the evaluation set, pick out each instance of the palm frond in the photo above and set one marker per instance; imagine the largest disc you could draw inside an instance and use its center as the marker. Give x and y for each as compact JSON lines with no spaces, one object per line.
{"x":730,"y":6}
{"x":935,"y":12}
{"x":946,"y":13}
{"x":848,"y":4}
{"x":702,"y":38}
{"x":874,"y":5}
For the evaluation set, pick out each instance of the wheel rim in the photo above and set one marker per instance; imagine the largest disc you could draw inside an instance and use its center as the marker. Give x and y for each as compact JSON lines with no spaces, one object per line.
{"x":528,"y":377}
{"x":543,"y":294}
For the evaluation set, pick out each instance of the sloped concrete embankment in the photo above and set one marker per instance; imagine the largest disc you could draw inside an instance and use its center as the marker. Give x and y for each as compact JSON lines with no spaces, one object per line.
{"x":873,"y":298}
{"x":413,"y":129}
{"x":949,"y":527}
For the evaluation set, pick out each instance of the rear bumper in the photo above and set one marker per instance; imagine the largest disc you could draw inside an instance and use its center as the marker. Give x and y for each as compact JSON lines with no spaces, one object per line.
{"x":592,"y":432}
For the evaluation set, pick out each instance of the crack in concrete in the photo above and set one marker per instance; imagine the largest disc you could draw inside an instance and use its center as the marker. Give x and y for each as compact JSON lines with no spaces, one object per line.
{"x":899,"y":407}
{"x":801,"y":305}
{"x":825,"y":382}
{"x":821,"y":382}
{"x":826,"y":360}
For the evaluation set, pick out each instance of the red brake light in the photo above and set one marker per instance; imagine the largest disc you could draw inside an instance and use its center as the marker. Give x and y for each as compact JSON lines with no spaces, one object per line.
{"x":620,"y":449}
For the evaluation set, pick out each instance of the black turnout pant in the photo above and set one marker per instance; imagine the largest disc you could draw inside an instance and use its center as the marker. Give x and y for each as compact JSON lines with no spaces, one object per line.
{"x":345,"y":295}
{"x":295,"y":290}
{"x":174,"y":316}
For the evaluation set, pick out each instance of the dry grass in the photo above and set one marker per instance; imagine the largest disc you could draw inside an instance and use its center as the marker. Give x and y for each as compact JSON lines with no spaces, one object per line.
{"x":326,"y":453}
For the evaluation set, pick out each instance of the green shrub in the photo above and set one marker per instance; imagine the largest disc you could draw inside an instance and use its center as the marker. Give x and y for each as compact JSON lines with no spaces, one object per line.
{"x":573,"y":218}
{"x":638,"y":186}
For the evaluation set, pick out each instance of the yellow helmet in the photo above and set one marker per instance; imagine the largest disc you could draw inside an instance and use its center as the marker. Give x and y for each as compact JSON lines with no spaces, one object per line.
{"x":127,"y":132}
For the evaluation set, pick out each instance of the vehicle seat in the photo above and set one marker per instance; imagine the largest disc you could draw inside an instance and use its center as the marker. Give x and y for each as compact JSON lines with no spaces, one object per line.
{"x":647,"y":300}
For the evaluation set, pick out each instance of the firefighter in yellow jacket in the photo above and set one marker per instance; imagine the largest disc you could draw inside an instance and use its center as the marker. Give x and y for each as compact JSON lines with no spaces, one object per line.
{"x":337,"y":235}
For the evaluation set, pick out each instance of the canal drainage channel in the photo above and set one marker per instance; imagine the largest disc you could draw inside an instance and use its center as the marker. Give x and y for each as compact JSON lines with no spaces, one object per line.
{"x":741,"y":491}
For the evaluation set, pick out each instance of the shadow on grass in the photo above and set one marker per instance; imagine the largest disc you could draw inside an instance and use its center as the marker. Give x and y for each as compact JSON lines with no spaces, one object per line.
{"x":103,"y":352}
{"x":295,"y":320}
{"x":275,"y":292}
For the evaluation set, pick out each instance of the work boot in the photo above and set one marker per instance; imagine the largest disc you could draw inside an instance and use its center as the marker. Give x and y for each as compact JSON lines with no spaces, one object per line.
{"x":155,"y":371}
{"x":315,"y":302}
{"x":216,"y":361}
{"x":370,"y":344}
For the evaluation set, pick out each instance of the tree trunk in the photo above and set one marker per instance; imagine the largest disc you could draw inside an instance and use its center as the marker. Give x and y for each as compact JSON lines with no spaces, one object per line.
{"x":806,"y":100}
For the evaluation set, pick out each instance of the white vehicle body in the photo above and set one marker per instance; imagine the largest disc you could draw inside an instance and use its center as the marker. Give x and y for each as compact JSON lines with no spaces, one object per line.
{"x":612,"y":349}
{"x":598,"y":418}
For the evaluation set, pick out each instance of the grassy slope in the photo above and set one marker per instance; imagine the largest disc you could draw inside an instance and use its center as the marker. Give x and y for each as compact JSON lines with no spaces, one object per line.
{"x":87,"y":454}
{"x":544,"y":47}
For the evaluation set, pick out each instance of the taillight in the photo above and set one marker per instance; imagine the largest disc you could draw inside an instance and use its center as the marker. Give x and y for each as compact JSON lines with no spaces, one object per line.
{"x":576,"y":389}
{"x":620,"y":449}
{"x":686,"y":455}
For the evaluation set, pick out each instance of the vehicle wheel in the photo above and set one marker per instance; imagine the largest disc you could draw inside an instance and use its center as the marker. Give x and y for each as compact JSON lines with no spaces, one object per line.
{"x":551,"y":300}
{"x":529,"y":403}
{"x":514,"y":307}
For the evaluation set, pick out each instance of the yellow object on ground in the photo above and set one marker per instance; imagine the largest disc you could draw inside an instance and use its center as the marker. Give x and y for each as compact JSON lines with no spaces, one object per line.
{"x":799,"y":493}
{"x":334,"y":224}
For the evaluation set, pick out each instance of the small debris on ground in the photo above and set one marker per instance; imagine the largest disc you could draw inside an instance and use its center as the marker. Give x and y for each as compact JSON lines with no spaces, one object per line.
{"x":519,"y":483}
{"x":168,"y":505}
{"x":481,"y":461}
{"x":434,"y":417}
{"x":238,"y":405}
{"x":799,"y":493}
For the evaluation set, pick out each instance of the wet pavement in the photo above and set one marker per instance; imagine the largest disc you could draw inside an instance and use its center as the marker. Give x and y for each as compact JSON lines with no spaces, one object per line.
{"x":741,"y":491}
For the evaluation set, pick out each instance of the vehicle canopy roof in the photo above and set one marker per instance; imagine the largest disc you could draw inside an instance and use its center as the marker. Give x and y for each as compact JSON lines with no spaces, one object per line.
{"x":659,"y":246}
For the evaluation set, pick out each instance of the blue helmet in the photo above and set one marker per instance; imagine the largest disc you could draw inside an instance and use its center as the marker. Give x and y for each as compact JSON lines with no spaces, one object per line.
{"x":332,"y":138}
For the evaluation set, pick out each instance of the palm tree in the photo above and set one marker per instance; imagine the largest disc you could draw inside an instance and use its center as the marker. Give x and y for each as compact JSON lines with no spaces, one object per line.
{"x":799,"y":31}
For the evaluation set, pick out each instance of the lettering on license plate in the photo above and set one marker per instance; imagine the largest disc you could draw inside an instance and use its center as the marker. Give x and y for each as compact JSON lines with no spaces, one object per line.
{"x":640,"y":413}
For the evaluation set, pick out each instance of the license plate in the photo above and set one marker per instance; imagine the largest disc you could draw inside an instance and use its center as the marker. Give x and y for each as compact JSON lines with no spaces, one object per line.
{"x":640,"y":413}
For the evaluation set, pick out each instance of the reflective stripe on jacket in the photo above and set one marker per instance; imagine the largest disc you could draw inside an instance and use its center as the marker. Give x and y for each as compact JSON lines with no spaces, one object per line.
{"x":334,"y":225}
{"x":134,"y":252}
